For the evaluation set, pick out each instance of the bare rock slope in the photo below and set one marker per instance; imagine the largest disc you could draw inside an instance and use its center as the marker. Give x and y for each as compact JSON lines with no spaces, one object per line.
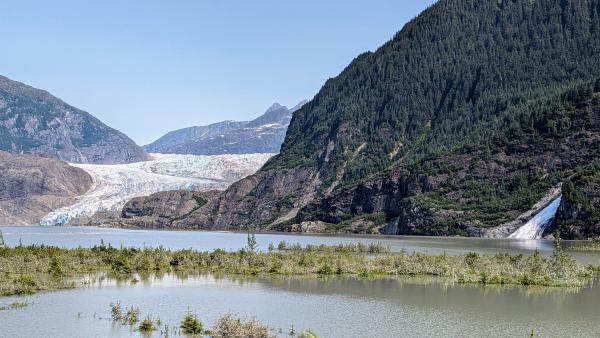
{"x":32,"y":185}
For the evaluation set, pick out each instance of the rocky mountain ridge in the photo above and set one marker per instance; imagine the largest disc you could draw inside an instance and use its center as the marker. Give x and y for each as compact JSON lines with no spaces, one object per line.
{"x":261,"y":135}
{"x":32,"y":121}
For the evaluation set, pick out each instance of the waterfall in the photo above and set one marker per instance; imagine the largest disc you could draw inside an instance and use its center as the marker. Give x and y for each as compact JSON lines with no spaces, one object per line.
{"x":534,"y":229}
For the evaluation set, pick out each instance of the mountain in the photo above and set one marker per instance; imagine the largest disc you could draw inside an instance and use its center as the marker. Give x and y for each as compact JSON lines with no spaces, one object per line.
{"x":261,"y":135}
{"x":33,"y":185}
{"x":32,"y":122}
{"x":463,"y":124}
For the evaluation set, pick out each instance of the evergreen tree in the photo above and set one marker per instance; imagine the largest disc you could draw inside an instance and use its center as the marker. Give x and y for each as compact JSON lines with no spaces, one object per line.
{"x":191,"y":325}
{"x":251,"y":245}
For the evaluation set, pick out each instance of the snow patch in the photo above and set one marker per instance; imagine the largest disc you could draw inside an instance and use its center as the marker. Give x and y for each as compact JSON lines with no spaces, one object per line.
{"x":114,"y":185}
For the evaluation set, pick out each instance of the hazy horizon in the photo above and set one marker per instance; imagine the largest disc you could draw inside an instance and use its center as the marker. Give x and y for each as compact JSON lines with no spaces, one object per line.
{"x":146,"y":68}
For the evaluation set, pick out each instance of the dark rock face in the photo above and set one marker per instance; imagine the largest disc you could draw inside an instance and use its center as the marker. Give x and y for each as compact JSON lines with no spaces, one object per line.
{"x":262,"y":135}
{"x":159,"y":210}
{"x":578,"y":215}
{"x":33,"y":185}
{"x":32,"y":121}
{"x":169,"y":204}
{"x":261,"y":199}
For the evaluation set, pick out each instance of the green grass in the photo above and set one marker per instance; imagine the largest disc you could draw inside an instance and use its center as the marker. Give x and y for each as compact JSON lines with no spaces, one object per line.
{"x":30,"y":269}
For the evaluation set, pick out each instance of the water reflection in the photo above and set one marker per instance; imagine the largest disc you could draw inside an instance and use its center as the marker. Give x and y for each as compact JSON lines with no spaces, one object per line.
{"x":334,"y":307}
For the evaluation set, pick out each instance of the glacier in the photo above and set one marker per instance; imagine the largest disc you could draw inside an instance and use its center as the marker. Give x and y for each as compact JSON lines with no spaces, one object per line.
{"x":114,"y":185}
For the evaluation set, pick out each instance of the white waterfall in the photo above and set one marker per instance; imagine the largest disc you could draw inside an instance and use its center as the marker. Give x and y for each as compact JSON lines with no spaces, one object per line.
{"x":534,"y":229}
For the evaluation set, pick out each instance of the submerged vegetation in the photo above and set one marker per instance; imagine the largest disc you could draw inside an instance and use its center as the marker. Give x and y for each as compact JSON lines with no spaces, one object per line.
{"x":227,"y":326}
{"x":591,"y":246}
{"x":29,"y":269}
{"x":15,"y":305}
{"x":148,"y":325}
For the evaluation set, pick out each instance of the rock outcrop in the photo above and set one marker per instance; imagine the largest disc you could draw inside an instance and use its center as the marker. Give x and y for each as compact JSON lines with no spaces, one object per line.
{"x":33,"y":185}
{"x":157,"y":211}
{"x":34,"y":122}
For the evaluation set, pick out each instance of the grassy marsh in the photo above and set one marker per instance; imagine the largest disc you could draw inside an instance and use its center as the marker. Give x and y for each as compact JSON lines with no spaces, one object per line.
{"x":30,"y":269}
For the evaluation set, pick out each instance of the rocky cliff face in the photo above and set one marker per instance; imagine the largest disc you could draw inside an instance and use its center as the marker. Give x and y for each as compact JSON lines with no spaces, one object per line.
{"x":32,"y":185}
{"x":32,"y":122}
{"x":261,"y":135}
{"x":157,"y":211}
{"x":578,"y":215}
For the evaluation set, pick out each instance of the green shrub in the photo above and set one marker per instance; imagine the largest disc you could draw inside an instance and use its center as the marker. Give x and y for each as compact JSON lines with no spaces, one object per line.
{"x":26,"y":285}
{"x":120,"y":264}
{"x":147,"y":325}
{"x":307,"y":334}
{"x":132,"y":316}
{"x":232,"y":326}
{"x":55,"y":269}
{"x":191,"y":325}
{"x":116,"y":312}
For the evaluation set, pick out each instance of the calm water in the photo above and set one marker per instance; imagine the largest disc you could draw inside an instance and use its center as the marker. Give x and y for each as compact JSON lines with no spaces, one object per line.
{"x":89,"y":236}
{"x":339,"y":307}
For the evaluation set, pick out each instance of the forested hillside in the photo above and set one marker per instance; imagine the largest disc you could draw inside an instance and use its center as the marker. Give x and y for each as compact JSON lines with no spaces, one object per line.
{"x":447,"y":80}
{"x":460,"y":123}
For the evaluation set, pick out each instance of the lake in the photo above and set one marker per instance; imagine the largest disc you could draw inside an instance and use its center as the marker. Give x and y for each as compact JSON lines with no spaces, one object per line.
{"x":332,"y":307}
{"x":336,"y":307}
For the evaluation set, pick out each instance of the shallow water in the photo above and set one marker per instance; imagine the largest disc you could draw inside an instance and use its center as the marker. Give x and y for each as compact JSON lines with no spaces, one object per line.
{"x":337,"y":307}
{"x":201,"y":240}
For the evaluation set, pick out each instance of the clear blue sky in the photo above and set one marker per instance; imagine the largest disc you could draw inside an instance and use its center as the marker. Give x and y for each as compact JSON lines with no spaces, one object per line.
{"x":147,"y":67}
